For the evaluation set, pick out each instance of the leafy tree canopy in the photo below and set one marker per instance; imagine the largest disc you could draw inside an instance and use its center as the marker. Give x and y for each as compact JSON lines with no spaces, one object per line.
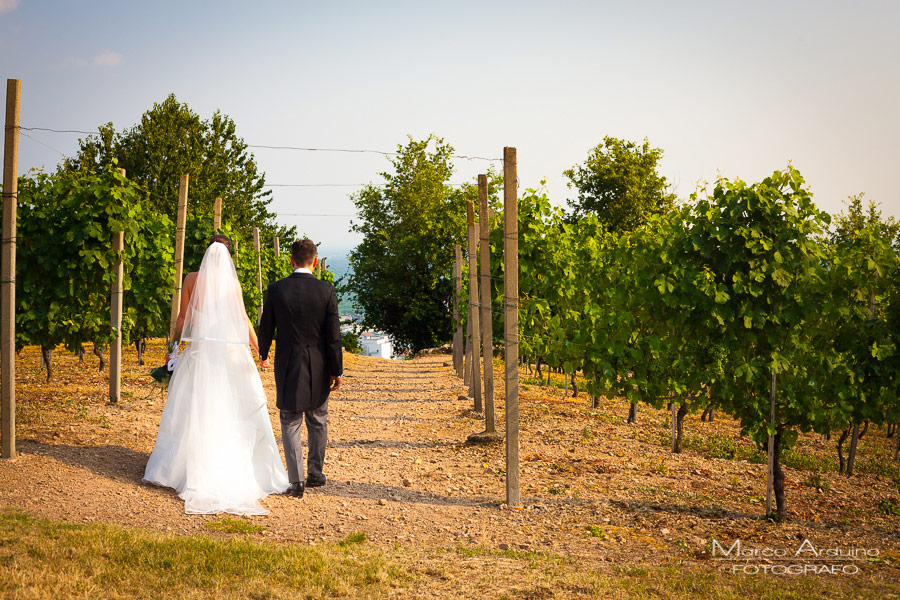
{"x":65,"y":265}
{"x":851,"y":222}
{"x":401,"y":269}
{"x":619,"y":183}
{"x":171,"y":140}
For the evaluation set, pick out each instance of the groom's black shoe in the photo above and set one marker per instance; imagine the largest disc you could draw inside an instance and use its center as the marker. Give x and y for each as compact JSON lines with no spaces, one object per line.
{"x":295,"y":489}
{"x":315,"y":481}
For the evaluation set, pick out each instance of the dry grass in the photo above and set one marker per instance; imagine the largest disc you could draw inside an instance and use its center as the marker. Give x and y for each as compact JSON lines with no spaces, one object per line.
{"x":233,"y":525}
{"x":50,"y":559}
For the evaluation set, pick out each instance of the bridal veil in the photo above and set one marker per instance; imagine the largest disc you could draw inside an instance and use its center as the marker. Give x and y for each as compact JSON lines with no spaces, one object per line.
{"x":215,"y":444}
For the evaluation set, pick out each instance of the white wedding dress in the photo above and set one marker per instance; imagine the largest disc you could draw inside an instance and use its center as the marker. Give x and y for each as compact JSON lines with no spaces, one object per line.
{"x":215,"y":444}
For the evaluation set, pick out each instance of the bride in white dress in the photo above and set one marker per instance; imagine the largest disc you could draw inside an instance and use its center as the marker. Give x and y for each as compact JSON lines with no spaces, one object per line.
{"x":215,"y":444}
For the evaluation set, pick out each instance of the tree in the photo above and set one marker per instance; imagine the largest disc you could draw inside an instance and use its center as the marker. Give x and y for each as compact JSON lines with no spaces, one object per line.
{"x":401,"y":269}
{"x":148,"y":282}
{"x":861,"y":263}
{"x":850,"y":224}
{"x":619,"y":183}
{"x":761,"y":246}
{"x":171,"y":140}
{"x":64,"y":264}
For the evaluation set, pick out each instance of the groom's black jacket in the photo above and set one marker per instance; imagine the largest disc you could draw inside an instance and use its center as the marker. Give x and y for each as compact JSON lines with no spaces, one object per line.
{"x":303,"y":311}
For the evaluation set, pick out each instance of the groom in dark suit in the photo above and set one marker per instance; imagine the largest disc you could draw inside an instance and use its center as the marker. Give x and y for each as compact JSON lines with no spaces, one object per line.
{"x":308,"y":364}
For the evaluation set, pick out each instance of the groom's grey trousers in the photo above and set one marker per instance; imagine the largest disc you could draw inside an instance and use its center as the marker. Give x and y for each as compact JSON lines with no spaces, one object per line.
{"x":317,"y":434}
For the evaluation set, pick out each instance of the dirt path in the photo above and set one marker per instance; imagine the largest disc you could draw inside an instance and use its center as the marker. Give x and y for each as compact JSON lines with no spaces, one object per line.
{"x":596,"y":491}
{"x":396,"y":467}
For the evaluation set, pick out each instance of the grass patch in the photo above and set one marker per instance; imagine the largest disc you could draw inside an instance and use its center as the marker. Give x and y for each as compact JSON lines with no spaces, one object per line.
{"x":542,"y":382}
{"x":533,"y":556}
{"x":50,"y":559}
{"x":889,"y":507}
{"x":232,"y":525}
{"x":720,"y":446}
{"x":815,"y":481}
{"x":596,"y":531}
{"x":879,"y":465}
{"x":800,"y":459}
{"x":717,"y":445}
{"x":354,"y":538}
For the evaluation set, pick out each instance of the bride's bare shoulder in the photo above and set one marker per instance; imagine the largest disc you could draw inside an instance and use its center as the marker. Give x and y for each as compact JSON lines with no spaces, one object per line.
{"x":189,"y":280}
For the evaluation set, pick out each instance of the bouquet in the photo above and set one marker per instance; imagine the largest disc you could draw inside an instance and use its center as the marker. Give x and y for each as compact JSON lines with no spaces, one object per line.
{"x":163,"y":373}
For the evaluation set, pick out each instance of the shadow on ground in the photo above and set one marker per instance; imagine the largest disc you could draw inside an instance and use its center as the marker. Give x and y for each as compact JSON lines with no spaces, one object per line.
{"x":113,"y":462}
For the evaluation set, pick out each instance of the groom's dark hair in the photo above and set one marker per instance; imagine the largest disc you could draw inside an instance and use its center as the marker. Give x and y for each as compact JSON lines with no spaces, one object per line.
{"x":303,"y":252}
{"x":222,"y":239}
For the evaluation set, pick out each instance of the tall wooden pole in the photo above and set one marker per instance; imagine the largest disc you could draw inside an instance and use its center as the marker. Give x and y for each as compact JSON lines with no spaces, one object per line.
{"x":179,"y":253}
{"x":259,"y":285}
{"x":115,"y":351}
{"x":487,"y":321}
{"x":473,"y":305}
{"x":457,"y":322}
{"x":467,"y":353}
{"x":276,"y":246}
{"x":217,"y":215}
{"x":8,"y":270}
{"x":770,"y":479}
{"x":511,"y":321}
{"x":115,"y":320}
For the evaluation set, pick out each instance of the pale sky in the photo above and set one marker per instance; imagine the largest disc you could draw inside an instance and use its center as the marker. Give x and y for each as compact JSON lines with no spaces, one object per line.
{"x":722,"y":87}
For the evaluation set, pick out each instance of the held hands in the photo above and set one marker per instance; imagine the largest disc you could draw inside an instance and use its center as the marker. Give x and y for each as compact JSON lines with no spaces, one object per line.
{"x":335,"y":381}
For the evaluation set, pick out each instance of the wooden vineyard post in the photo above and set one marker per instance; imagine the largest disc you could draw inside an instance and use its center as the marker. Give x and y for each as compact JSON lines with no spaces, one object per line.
{"x":217,"y":216}
{"x":115,"y":349}
{"x":511,"y":322}
{"x":770,"y":479}
{"x":259,"y":285}
{"x":473,"y":306}
{"x":179,"y":253}
{"x":486,"y":318}
{"x":8,"y":269}
{"x":457,"y":322}
{"x":276,"y":248}
{"x":487,"y":342}
{"x":115,"y":311}
{"x":467,"y":354}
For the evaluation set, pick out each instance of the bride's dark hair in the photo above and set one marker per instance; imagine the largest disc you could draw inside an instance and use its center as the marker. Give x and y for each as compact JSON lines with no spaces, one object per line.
{"x":222,"y":239}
